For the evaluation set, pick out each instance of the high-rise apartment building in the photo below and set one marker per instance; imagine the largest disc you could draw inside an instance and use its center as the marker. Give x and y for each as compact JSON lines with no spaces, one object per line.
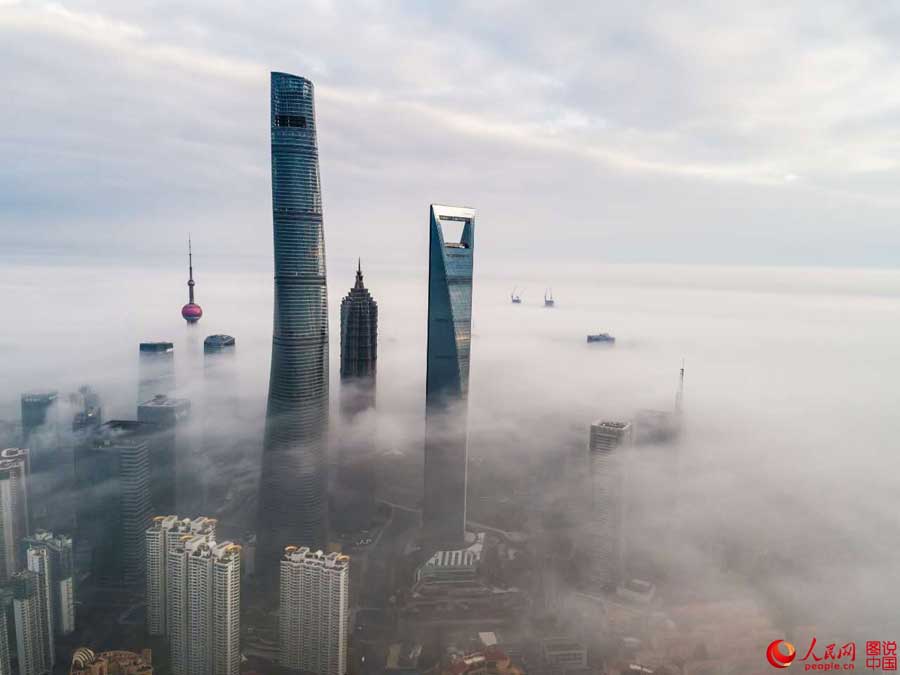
{"x":161,"y":538}
{"x":204,"y":607}
{"x":5,"y":604}
{"x":156,"y":370}
{"x":314,"y":611}
{"x":604,"y":533}
{"x":14,"y":521}
{"x":292,"y":495}
{"x":113,"y":475}
{"x":170,"y":457}
{"x":447,"y":376}
{"x":355,"y":489}
{"x":38,"y":560}
{"x":31,"y":630}
{"x":60,"y":578}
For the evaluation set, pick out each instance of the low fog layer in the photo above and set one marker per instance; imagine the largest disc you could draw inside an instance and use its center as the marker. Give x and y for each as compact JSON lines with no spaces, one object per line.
{"x":786,"y":473}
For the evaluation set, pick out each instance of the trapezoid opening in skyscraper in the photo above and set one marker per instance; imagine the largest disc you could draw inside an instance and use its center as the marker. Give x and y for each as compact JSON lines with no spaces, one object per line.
{"x":447,"y":376}
{"x":292,"y":494}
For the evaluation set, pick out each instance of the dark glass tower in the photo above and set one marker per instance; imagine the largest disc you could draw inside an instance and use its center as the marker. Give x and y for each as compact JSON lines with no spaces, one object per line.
{"x":355,"y":493}
{"x":292,"y":501}
{"x":447,"y":377}
{"x":359,"y":348}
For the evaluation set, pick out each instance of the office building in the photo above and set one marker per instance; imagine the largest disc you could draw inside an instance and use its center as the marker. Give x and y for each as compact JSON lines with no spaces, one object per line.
{"x":314,"y":611}
{"x":38,"y":410}
{"x":170,"y":456}
{"x":30,"y":612}
{"x":204,"y":607}
{"x":60,"y":576}
{"x":447,"y":375}
{"x":113,"y":475}
{"x":120,"y":662}
{"x":222,"y":448}
{"x":161,"y":538}
{"x":88,"y":413}
{"x":604,"y":533}
{"x":292,"y":500}
{"x":355,"y":485}
{"x":14,"y":521}
{"x":359,"y":348}
{"x":156,"y":370}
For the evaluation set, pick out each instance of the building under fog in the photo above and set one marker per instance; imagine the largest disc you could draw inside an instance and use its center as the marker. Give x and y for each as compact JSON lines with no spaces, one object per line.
{"x":222,"y":448}
{"x":60,"y":570}
{"x":113,"y":475}
{"x":14,"y":520}
{"x":604,"y":535}
{"x":171,"y":474}
{"x":156,"y":370}
{"x":48,"y":458}
{"x":292,"y":494}
{"x":447,"y":376}
{"x":161,"y":538}
{"x":314,"y":613}
{"x":204,"y":606}
{"x":355,"y":493}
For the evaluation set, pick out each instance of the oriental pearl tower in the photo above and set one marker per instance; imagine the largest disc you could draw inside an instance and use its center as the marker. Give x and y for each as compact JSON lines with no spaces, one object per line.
{"x":191,"y":311}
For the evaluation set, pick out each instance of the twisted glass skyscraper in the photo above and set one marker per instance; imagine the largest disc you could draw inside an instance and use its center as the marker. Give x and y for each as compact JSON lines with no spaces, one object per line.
{"x":447,"y":376}
{"x":292,"y":502}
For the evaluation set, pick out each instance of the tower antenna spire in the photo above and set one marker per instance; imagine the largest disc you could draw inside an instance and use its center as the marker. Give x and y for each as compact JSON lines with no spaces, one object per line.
{"x":191,"y":312}
{"x":190,"y":271}
{"x":679,"y":396}
{"x":359,"y":276}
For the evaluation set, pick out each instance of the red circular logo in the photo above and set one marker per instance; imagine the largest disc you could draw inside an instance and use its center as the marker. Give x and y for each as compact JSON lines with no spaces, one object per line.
{"x":781,"y":653}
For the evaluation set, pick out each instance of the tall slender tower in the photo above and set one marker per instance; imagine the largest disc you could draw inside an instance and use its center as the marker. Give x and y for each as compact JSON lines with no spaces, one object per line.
{"x":191,"y":312}
{"x":355,"y":489}
{"x":292,"y":501}
{"x":447,"y":376}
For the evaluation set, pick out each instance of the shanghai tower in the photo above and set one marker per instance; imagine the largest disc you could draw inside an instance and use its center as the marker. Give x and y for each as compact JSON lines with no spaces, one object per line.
{"x":292,"y":495}
{"x":447,"y":375}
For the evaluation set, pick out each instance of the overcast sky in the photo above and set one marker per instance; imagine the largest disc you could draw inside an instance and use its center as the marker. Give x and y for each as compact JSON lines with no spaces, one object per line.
{"x":750,"y":133}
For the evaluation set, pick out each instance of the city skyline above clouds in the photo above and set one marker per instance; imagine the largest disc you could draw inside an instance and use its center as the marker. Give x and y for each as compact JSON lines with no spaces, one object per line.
{"x":707,"y":133}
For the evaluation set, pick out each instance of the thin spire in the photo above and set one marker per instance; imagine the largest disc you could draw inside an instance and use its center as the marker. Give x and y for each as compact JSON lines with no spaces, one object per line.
{"x":359,"y":276}
{"x":679,"y":396}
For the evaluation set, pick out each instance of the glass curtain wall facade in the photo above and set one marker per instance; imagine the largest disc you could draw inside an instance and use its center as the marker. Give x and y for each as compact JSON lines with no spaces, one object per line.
{"x":447,"y":376}
{"x":292,"y":496}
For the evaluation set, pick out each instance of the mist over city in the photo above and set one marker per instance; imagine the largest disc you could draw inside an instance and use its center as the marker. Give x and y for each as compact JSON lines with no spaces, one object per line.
{"x":571,"y":354}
